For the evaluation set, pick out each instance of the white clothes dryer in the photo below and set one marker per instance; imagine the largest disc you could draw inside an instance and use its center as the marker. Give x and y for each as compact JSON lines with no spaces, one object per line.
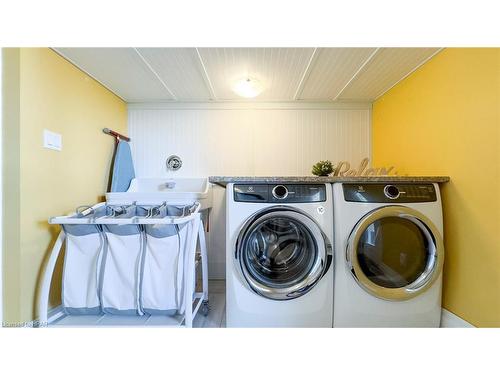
{"x":389,"y":255}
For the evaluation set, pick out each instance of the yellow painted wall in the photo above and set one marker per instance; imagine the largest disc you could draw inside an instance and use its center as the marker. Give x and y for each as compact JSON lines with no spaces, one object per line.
{"x":444,"y":119}
{"x":10,"y":183}
{"x":57,"y":96}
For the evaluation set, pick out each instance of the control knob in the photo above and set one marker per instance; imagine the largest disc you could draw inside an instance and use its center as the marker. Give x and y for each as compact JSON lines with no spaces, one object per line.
{"x":391,"y":192}
{"x":280,"y":192}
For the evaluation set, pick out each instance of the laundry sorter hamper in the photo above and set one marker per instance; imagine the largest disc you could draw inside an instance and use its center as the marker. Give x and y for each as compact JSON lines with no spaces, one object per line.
{"x":134,"y":260}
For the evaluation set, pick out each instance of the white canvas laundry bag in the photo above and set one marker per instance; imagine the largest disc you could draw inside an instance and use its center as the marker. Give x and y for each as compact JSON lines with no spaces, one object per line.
{"x":164,"y":266}
{"x":120,"y":270}
{"x":83,"y":253}
{"x":162,"y":269}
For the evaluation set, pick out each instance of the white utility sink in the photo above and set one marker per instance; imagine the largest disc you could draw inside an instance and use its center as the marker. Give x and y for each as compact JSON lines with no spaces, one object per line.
{"x":170,"y":190}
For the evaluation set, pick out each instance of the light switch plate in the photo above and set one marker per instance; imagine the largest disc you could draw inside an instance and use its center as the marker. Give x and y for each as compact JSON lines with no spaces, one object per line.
{"x":52,"y":140}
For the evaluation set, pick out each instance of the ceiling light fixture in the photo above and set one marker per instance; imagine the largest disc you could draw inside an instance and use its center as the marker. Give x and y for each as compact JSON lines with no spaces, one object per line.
{"x":248,"y":87}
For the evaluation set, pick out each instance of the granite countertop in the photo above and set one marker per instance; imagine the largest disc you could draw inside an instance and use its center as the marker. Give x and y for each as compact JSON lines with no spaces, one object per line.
{"x":224,"y":180}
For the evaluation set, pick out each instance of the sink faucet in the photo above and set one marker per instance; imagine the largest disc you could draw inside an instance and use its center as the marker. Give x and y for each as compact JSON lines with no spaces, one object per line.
{"x":170,"y":184}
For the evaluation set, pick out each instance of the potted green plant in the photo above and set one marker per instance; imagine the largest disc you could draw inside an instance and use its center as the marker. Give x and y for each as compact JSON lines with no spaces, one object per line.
{"x":323,"y":168}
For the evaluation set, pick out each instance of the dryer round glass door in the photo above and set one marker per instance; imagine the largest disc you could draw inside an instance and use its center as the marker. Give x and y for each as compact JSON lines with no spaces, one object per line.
{"x":282,"y":253}
{"x":395,"y":253}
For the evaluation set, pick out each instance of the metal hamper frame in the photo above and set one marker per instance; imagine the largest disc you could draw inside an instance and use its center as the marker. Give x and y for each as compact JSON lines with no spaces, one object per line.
{"x":197,"y":235}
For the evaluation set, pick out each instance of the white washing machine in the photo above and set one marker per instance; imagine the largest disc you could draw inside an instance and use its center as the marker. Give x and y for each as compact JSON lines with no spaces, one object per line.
{"x":279,"y":260}
{"x":389,"y":255}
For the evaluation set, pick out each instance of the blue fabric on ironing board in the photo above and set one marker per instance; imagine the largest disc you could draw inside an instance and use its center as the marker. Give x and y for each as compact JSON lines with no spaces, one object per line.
{"x":123,"y":168}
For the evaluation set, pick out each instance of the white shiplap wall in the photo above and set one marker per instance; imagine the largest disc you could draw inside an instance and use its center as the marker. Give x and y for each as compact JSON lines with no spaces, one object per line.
{"x":284,"y":142}
{"x":267,"y":140}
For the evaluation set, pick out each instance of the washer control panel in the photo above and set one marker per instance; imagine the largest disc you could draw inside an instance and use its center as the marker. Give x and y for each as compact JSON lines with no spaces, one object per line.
{"x":389,"y":193}
{"x":279,"y":193}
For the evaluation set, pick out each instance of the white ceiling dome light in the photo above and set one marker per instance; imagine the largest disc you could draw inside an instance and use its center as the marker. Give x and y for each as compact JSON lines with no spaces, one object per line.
{"x":248,"y":87}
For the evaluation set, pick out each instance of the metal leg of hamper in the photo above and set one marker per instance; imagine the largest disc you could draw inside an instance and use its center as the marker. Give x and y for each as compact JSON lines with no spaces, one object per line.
{"x":204,"y":270}
{"x":190,"y":294}
{"x":43,"y":299}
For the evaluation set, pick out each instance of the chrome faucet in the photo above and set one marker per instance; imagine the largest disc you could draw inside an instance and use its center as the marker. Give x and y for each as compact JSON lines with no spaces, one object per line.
{"x":170,"y":184}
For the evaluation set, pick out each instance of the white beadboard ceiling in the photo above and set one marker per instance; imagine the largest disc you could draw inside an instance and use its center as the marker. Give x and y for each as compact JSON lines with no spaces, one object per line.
{"x":140,"y":75}
{"x":278,"y":69}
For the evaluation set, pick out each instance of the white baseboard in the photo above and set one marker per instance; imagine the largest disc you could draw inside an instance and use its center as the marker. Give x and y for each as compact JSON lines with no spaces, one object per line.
{"x":450,"y":320}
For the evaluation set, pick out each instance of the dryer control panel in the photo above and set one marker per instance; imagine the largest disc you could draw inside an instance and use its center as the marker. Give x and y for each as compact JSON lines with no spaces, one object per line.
{"x":279,"y":193}
{"x":389,"y":193}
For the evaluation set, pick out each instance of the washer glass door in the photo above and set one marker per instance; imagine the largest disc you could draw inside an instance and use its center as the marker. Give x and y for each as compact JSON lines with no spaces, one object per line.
{"x":282,"y":253}
{"x":395,"y":253}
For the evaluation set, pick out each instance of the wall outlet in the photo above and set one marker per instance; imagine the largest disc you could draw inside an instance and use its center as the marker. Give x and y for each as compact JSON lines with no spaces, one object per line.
{"x":52,"y":140}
